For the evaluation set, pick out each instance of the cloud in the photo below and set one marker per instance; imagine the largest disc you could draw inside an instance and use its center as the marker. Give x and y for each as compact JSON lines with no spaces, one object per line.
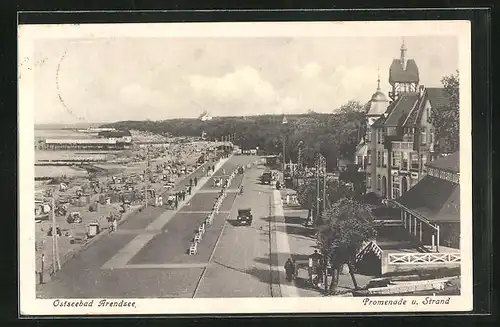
{"x":310,"y":70}
{"x":242,"y":83}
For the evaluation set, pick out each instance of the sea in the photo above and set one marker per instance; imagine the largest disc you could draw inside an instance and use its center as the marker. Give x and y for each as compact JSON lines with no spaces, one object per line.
{"x":46,"y":156}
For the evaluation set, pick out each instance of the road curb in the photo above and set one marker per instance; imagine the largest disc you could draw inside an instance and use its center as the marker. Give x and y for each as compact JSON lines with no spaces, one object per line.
{"x":273,"y":251}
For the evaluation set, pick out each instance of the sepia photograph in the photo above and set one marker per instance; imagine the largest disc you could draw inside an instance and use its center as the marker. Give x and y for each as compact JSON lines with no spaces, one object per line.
{"x":197,"y":168}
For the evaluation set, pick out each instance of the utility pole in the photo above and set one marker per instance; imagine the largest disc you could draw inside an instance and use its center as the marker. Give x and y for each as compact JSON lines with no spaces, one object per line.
{"x":55,"y":245}
{"x":317,"y":192}
{"x":284,"y":122}
{"x":146,"y":177}
{"x":324,"y":183}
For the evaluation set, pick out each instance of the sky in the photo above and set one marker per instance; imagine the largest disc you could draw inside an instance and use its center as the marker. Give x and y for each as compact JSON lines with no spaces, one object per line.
{"x":124,"y":78}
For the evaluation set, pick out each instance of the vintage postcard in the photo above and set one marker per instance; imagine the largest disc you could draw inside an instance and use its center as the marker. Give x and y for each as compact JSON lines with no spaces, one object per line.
{"x":229,"y":168}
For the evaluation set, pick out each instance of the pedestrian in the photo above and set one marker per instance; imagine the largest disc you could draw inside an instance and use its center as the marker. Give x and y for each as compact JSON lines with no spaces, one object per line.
{"x":115,"y":224}
{"x":190,"y":182}
{"x":195,"y":181}
{"x":289,"y":269}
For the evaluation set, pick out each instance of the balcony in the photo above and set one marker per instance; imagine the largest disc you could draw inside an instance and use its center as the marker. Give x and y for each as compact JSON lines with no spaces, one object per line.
{"x":402,"y":145}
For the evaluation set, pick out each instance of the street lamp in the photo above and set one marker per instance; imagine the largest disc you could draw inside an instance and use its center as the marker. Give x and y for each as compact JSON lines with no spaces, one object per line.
{"x":320,"y":168}
{"x":284,"y":123}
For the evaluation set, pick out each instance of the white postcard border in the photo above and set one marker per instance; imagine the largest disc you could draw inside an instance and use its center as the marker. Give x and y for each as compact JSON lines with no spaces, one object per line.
{"x":27,"y":34}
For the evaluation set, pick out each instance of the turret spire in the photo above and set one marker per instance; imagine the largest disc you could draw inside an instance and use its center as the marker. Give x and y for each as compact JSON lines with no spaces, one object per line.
{"x":403,"y":54}
{"x":378,"y":79}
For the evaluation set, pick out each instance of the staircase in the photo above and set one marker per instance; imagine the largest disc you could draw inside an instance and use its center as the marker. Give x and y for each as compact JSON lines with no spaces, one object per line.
{"x":391,"y":238}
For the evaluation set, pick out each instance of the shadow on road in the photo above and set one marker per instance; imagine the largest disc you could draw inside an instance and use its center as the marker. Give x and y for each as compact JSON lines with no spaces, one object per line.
{"x":294,"y":220}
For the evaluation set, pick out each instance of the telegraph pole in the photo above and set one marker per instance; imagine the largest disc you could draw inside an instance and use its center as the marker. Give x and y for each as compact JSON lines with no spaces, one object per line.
{"x":317,"y":192}
{"x":55,"y":245}
{"x":284,"y":122}
{"x":324,"y":183}
{"x":146,"y":177}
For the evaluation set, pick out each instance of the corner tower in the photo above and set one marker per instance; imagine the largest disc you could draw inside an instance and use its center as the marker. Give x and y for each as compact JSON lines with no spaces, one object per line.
{"x":403,"y":75}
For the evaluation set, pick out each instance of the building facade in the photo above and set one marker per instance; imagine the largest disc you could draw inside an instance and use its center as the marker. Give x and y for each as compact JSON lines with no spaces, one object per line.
{"x":399,"y":138}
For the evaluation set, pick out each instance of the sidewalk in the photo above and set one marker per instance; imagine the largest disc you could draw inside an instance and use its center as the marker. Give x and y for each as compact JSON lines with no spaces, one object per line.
{"x":69,"y":251}
{"x":293,"y":239}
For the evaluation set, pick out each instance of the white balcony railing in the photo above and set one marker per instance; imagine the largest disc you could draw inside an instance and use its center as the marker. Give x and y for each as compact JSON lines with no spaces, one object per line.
{"x":423,"y":258}
{"x":402,"y":145}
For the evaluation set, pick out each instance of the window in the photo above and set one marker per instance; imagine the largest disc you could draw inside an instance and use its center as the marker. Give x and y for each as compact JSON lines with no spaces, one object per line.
{"x":408,"y":135}
{"x":404,"y":163}
{"x":380,"y":136}
{"x":395,"y":187}
{"x":396,"y":159}
{"x":414,"y":161}
{"x":423,"y":136}
{"x":369,"y":155}
{"x":369,"y":135}
{"x":384,"y":158}
{"x":423,"y":161}
{"x":431,"y":135}
{"x":378,"y":182}
{"x":359,"y":160}
{"x":378,"y":158}
{"x":368,"y":181}
{"x":391,"y":131}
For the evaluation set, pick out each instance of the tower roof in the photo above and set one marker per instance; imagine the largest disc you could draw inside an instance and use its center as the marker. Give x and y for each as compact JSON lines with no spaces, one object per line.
{"x":379,"y":101}
{"x":399,"y":75}
{"x":403,"y":70}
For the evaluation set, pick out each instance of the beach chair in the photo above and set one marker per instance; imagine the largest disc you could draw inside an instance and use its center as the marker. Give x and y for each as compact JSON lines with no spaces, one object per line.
{"x":193,"y":249}
{"x":201,"y":229}
{"x":78,"y":237}
{"x":197,"y":237}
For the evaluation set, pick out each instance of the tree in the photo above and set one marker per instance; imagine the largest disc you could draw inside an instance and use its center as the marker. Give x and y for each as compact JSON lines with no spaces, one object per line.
{"x":446,"y":117}
{"x":306,"y":195}
{"x":335,"y":190}
{"x":351,"y":106}
{"x":347,"y":225}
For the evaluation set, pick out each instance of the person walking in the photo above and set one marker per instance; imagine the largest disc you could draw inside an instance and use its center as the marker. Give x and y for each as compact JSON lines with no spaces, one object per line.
{"x":115,"y":224}
{"x":295,"y":269}
{"x":190,"y":182}
{"x":289,"y":269}
{"x":195,"y":181}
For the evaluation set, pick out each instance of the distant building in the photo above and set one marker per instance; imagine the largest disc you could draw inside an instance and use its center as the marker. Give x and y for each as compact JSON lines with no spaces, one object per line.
{"x":122,"y":136}
{"x":83,"y":144}
{"x":205,"y":116}
{"x":399,"y":139}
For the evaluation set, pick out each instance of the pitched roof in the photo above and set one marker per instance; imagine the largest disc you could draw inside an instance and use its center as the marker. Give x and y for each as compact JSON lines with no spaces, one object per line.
{"x":436,"y":199}
{"x":449,"y":163}
{"x":379,"y":122}
{"x":400,"y":109}
{"x":437,"y":97}
{"x":408,"y":75}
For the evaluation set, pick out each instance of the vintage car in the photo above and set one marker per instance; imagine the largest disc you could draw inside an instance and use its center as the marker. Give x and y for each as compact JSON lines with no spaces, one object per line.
{"x":244,"y":217}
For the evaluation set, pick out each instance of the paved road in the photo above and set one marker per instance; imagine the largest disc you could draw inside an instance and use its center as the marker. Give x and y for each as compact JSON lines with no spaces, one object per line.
{"x":148,"y":257}
{"x":241,"y":265}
